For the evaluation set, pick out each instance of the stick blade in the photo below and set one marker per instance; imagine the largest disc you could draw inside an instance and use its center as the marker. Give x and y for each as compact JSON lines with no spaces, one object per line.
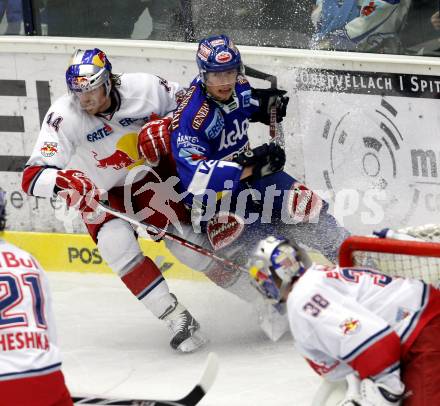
{"x":206,"y":381}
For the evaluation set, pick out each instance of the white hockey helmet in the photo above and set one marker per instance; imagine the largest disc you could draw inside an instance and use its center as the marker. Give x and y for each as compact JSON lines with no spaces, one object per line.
{"x":88,"y":70}
{"x":274,"y":264}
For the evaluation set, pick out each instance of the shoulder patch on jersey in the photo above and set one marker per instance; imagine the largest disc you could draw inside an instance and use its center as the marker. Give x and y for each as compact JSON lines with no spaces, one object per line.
{"x":242,"y":80}
{"x":201,"y":115}
{"x":350,"y":326}
{"x":181,"y":107}
{"x":49,"y":149}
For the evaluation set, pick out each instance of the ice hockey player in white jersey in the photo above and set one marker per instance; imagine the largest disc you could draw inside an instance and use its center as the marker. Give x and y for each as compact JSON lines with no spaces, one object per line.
{"x":30,"y":361}
{"x":357,"y":322}
{"x":88,"y":150}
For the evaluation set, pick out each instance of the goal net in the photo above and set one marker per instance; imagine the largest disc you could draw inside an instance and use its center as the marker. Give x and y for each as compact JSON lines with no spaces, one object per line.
{"x":411,"y":252}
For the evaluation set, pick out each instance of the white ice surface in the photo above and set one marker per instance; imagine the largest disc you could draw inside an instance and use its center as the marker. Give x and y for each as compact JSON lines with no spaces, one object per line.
{"x":113,"y":347}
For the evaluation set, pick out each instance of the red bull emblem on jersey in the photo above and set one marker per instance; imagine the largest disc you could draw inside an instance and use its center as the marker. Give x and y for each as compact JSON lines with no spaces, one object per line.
{"x":49,"y":149}
{"x":350,"y":326}
{"x":126,"y":154}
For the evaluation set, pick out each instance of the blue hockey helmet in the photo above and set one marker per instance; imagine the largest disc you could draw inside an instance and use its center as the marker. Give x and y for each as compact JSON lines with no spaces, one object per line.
{"x":217,"y":54}
{"x":88,"y":69}
{"x":2,"y":209}
{"x":274,"y":264}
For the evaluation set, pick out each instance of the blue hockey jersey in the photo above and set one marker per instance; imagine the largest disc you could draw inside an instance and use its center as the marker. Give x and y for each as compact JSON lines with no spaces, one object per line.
{"x":206,"y":134}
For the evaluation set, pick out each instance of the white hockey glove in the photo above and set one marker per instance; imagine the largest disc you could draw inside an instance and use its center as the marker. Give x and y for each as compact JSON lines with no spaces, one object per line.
{"x":353,"y":393}
{"x":380,"y":394}
{"x":388,"y":391}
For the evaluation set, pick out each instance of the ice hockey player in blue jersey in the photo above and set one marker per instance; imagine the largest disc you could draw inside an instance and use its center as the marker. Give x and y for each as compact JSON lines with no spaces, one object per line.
{"x":238,"y":194}
{"x":214,"y":159}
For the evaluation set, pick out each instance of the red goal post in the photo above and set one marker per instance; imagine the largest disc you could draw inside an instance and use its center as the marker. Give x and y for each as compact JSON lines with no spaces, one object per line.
{"x":415,"y":259}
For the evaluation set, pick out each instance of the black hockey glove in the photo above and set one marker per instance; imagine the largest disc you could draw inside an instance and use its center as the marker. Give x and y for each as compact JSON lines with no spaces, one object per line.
{"x":266,"y":99}
{"x":266,"y":159}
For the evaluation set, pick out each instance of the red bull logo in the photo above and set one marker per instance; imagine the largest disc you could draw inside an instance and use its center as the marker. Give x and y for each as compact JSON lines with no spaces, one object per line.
{"x":350,"y":326}
{"x":117,"y":160}
{"x":49,"y":149}
{"x":99,"y":59}
{"x":80,"y":82}
{"x":126,"y":154}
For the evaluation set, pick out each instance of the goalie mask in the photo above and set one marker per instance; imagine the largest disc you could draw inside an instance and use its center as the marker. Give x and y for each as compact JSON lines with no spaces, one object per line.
{"x":2,"y":209}
{"x":274,"y":264}
{"x":88,"y":70}
{"x":218,"y":55}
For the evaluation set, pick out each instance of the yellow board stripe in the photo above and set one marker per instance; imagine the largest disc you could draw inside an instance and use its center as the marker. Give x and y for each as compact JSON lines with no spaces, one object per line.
{"x":78,"y":253}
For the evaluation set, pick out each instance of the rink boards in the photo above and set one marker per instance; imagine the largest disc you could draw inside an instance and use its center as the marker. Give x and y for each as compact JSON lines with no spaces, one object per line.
{"x":62,"y":252}
{"x":373,"y":121}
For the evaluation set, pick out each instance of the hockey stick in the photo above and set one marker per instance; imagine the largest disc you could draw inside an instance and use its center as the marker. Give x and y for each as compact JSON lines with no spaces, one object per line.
{"x":275,"y":129}
{"x":151,"y":229}
{"x":191,"y":399}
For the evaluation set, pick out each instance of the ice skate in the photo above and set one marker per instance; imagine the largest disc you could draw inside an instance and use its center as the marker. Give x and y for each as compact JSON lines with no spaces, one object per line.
{"x":184,"y":329}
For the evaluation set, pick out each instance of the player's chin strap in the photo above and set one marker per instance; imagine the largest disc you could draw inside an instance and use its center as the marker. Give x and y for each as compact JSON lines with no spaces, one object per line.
{"x":160,"y":233}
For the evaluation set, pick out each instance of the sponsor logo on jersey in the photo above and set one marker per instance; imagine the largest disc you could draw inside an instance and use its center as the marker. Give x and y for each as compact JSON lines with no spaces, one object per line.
{"x":215,"y":128}
{"x":223,"y":229}
{"x":192,"y":154}
{"x":125,"y":122}
{"x":246,"y":97}
{"x":10,"y":260}
{"x":201,"y":115}
{"x":181,"y":107}
{"x":234,"y":136}
{"x":100,"y":133}
{"x":49,"y":149}
{"x":126,"y":154}
{"x":223,"y":57}
{"x":187,"y":140}
{"x":350,"y":326}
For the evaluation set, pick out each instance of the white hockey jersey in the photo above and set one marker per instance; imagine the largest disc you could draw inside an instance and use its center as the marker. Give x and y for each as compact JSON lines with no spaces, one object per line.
{"x":27,"y":331}
{"x":346,"y":319}
{"x":104,"y":148}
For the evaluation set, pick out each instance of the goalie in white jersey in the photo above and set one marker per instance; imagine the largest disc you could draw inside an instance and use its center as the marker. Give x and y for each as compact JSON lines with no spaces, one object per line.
{"x":30,"y":360}
{"x":88,"y":149}
{"x":380,"y":331}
